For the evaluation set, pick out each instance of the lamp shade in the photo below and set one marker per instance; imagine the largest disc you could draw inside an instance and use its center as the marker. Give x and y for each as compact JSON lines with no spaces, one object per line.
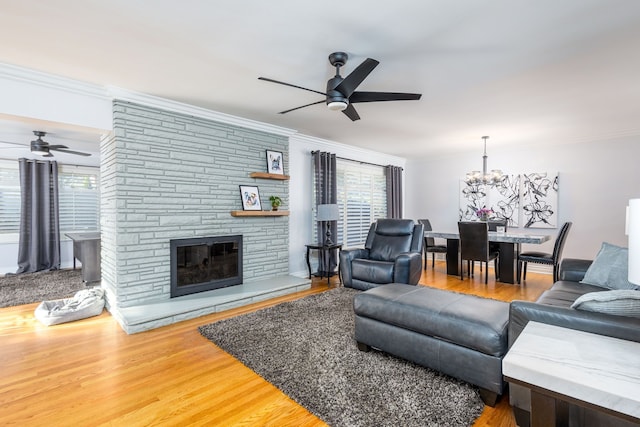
{"x":634,"y":241}
{"x":328,"y":212}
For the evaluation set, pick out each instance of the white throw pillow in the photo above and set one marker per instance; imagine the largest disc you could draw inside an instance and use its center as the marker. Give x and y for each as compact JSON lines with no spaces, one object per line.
{"x":623,"y":302}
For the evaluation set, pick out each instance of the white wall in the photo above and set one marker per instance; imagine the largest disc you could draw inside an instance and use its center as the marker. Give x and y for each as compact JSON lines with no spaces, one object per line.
{"x":596,"y":180}
{"x":301,"y":186}
{"x":9,"y":256}
{"x":31,"y":95}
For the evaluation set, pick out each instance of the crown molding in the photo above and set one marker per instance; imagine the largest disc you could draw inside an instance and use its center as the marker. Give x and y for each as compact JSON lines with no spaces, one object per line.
{"x":191,"y":110}
{"x":26,"y":75}
{"x":356,"y":152}
{"x":29,"y":76}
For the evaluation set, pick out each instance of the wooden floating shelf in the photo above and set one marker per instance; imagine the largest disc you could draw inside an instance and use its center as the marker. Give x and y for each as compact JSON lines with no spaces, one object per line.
{"x":265,"y":175}
{"x":259,"y":213}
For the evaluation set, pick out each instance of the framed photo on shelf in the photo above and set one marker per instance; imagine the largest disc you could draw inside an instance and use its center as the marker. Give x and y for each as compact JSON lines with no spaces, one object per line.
{"x":275,"y":162}
{"x":250,"y":198}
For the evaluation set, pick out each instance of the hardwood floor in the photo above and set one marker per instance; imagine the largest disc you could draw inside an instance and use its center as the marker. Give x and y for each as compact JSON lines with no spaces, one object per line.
{"x":91,"y":373}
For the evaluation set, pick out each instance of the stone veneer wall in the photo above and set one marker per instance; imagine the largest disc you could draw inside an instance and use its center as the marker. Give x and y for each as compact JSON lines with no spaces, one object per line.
{"x":166,"y":176}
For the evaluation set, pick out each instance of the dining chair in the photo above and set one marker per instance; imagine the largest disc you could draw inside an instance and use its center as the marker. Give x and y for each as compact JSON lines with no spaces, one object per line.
{"x":543,"y":257}
{"x":430,"y":245}
{"x":493,"y":226}
{"x":495,"y":223}
{"x":474,"y":246}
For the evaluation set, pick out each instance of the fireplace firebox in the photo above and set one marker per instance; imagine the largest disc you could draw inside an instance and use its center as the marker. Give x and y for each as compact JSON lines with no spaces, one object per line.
{"x":205,"y":263}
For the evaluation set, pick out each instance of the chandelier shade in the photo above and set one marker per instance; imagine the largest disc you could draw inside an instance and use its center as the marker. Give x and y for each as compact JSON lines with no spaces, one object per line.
{"x":491,"y":178}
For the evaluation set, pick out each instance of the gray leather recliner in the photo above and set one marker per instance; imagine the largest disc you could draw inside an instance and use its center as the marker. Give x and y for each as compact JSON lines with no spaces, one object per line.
{"x":391,"y":254}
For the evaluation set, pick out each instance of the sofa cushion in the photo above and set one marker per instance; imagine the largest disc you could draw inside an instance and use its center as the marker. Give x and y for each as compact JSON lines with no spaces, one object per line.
{"x":563,"y":293}
{"x":621,"y":302}
{"x":387,"y":248}
{"x":372,"y":271}
{"x":610,"y":268}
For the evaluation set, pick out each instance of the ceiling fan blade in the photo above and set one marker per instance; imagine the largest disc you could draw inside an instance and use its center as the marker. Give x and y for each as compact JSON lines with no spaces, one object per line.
{"x":55,"y":147}
{"x":289,"y":84}
{"x":302,"y":106}
{"x":353,"y":80}
{"x":62,"y":150}
{"x":383,"y":96}
{"x":351,"y":112}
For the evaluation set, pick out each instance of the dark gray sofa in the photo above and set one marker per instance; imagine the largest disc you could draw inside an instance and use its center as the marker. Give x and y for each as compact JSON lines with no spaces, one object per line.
{"x":554,"y":308}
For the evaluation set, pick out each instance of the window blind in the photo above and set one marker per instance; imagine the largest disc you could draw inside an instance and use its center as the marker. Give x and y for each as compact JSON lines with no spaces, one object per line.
{"x":78,"y":196}
{"x":361,"y":198}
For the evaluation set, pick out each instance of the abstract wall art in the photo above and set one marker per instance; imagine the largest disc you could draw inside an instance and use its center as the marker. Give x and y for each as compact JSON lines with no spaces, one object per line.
{"x":529,"y":199}
{"x":540,"y":200}
{"x":502,"y":198}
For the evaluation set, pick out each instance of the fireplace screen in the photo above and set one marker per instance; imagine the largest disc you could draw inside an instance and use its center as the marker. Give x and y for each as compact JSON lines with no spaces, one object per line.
{"x":204,"y":264}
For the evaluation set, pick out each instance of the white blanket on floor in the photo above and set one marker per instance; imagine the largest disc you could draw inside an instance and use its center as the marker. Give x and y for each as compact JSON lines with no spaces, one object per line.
{"x":85,"y":303}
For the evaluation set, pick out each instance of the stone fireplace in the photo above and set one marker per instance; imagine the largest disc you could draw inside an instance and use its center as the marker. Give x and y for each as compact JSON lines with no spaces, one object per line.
{"x":205,"y":263}
{"x":166,"y":176}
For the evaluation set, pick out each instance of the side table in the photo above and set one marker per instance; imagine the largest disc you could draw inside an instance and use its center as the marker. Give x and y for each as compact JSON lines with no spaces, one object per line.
{"x":562,"y":366}
{"x":323,"y":252}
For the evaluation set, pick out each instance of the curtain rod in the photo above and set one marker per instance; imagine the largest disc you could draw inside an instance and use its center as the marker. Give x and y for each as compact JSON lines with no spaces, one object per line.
{"x":357,"y":161}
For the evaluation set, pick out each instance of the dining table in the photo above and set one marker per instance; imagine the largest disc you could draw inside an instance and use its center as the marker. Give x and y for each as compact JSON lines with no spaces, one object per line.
{"x":509,"y":246}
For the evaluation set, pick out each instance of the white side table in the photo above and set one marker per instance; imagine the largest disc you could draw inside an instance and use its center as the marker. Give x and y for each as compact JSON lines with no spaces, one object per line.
{"x":561,"y":365}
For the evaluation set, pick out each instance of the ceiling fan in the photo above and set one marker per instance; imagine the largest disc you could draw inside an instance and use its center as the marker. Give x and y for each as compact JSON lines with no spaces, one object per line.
{"x":43,"y":148}
{"x":341,"y":91}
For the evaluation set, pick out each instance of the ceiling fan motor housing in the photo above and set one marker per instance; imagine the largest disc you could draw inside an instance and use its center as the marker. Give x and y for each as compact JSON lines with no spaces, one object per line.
{"x":336,"y":101}
{"x":39,"y":146}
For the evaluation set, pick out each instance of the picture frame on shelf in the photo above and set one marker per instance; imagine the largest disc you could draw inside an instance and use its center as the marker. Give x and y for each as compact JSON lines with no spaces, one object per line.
{"x":275,"y":162}
{"x":250,"y":196}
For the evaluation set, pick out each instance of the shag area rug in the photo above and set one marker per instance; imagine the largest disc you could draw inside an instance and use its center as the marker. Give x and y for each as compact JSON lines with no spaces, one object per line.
{"x":307,"y":349}
{"x":27,"y":288}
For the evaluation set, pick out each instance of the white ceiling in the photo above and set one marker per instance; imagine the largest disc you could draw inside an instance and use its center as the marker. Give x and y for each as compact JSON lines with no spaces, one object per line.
{"x":520,"y":71}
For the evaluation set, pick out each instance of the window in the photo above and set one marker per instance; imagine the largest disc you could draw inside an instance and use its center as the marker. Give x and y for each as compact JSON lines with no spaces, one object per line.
{"x":78,"y":196}
{"x":9,"y":199}
{"x":362,"y":199}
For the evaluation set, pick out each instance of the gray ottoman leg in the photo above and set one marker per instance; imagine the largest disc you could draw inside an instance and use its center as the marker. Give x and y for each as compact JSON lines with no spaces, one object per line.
{"x":363,"y":347}
{"x":488,"y":397}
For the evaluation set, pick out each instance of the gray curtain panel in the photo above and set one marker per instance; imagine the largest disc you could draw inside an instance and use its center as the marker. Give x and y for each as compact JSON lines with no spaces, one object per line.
{"x":39,"y":247}
{"x":394,"y":191}
{"x":324,"y":164}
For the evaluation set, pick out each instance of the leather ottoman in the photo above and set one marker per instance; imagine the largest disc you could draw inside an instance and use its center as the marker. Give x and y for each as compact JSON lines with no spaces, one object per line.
{"x":460,"y":335}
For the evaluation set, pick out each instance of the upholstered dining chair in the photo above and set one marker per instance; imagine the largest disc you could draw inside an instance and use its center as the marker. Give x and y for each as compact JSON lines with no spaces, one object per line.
{"x":430,"y":245}
{"x":474,"y":246}
{"x":493,"y":226}
{"x":495,"y":223}
{"x":543,"y":257}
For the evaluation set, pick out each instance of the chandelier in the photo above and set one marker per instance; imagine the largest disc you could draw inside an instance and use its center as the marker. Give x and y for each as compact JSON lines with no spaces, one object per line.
{"x":492,"y":178}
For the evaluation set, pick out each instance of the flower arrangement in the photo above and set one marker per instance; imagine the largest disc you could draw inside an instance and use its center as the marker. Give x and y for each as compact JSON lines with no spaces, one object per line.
{"x":484,"y":213}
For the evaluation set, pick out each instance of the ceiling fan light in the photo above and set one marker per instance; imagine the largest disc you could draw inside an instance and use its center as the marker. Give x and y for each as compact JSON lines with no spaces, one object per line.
{"x":39,"y":149}
{"x":337,"y":105}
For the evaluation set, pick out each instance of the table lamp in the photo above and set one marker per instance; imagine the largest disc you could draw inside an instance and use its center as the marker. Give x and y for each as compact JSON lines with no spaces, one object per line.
{"x":633,"y":228}
{"x":328,"y":212}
